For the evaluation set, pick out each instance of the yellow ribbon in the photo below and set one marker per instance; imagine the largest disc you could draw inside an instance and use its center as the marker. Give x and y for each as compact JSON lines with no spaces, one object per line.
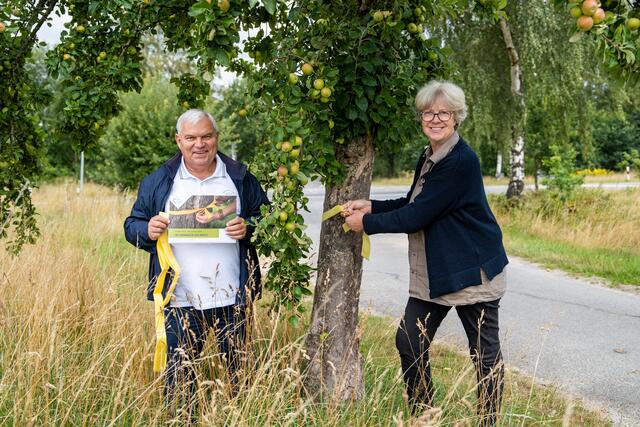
{"x":167,"y":260}
{"x":202,"y":211}
{"x":366,"y":243}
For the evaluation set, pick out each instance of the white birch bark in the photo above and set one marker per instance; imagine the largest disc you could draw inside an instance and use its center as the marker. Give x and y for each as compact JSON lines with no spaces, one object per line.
{"x":516,"y":153}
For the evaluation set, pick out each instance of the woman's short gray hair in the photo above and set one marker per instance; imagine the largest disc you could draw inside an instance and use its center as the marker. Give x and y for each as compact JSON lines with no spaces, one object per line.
{"x":193,"y":116}
{"x":450,"y":93}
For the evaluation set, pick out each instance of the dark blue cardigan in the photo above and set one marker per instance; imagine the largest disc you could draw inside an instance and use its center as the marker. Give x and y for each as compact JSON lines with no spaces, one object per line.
{"x":462,"y":235}
{"x":152,"y":198}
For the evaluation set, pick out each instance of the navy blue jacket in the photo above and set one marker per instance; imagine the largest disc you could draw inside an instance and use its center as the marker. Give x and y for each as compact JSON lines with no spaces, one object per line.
{"x":152,"y":198}
{"x":462,"y":235}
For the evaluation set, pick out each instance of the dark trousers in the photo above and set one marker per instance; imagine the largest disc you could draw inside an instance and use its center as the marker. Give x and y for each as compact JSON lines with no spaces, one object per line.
{"x":413,"y":338}
{"x":187,"y":329}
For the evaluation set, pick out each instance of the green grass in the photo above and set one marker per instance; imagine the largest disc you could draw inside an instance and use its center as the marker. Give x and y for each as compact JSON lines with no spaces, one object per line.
{"x":616,"y":266}
{"x":595,"y":234}
{"x":406,"y":178}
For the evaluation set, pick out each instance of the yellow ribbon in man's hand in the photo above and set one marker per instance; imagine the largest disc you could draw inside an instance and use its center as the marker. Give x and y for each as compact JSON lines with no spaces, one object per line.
{"x":167,"y":260}
{"x":366,"y":244}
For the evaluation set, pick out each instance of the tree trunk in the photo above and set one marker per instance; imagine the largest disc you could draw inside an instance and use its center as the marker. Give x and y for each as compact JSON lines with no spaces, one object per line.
{"x":499,"y":166}
{"x":516,"y":154}
{"x":333,"y":342}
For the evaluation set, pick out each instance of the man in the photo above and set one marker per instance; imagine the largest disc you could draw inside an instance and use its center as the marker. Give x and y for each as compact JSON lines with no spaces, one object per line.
{"x":216,"y":281}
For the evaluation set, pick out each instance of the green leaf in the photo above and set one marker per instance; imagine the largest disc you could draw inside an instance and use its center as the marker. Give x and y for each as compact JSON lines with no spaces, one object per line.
{"x":294,"y":321}
{"x":222,"y":58}
{"x":362,"y":103}
{"x":631,"y":58}
{"x":270,"y":5}
{"x":367,"y":66}
{"x":369,"y":81}
{"x":199,"y":8}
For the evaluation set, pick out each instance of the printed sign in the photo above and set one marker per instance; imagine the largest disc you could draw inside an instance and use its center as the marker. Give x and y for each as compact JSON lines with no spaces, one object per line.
{"x":202,"y":219}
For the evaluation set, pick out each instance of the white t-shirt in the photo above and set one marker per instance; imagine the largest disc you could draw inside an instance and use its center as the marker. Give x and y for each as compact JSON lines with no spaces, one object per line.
{"x":210,"y":272}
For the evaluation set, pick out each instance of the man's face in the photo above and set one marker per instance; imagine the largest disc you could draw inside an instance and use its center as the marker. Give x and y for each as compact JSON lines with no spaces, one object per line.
{"x":198,"y":143}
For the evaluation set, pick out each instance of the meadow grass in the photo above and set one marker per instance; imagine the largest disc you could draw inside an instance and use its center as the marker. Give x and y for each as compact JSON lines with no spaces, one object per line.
{"x":406,"y":178}
{"x":77,"y":341}
{"x":594,"y":234}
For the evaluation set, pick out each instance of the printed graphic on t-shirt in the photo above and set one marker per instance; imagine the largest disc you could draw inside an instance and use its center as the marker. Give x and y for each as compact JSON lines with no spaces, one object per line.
{"x":201,"y":219}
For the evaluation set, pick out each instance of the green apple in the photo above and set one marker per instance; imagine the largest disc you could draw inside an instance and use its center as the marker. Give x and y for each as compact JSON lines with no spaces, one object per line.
{"x":576,"y":12}
{"x":633,"y":24}
{"x":307,"y":69}
{"x":224,"y":5}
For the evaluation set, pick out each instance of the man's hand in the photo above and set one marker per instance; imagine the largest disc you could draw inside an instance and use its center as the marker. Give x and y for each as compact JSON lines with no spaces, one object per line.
{"x":156,"y":226}
{"x":236,"y":228}
{"x":356,"y":205}
{"x":354,"y":221}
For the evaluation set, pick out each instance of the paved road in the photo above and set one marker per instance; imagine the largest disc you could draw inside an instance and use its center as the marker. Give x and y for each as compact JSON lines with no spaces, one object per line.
{"x":581,"y":337}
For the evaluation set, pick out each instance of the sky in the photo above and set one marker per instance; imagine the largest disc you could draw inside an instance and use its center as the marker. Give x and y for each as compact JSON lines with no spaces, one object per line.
{"x":51,"y":35}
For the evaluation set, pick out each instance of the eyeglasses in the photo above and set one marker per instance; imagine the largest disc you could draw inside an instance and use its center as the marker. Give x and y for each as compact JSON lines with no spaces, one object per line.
{"x":428,"y":116}
{"x":205,"y":138}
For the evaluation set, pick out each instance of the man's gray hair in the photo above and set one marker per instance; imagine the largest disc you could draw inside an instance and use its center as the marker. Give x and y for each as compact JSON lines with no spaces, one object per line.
{"x":450,"y":93}
{"x":193,"y":116}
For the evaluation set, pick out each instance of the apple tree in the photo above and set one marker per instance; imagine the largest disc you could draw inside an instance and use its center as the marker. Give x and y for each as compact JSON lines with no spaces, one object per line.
{"x":615,"y":25}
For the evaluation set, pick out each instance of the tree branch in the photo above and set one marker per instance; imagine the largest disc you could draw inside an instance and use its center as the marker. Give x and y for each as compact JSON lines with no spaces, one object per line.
{"x":27,"y":42}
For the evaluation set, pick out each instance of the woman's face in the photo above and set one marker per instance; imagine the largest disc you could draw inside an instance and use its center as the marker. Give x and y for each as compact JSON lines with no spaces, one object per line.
{"x":438,"y":130}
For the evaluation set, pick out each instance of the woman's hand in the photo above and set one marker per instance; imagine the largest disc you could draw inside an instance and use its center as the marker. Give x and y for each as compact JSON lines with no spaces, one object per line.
{"x":352,"y":206}
{"x":354,"y":221}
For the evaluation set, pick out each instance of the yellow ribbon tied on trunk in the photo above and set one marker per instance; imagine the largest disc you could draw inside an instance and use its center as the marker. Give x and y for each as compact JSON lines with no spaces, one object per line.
{"x":202,"y":211}
{"x":167,"y":261}
{"x":366,"y":243}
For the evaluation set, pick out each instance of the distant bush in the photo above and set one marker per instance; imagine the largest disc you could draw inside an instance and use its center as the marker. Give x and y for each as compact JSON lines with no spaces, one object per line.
{"x":562,"y":180}
{"x":140,"y":138}
{"x":631,"y":160}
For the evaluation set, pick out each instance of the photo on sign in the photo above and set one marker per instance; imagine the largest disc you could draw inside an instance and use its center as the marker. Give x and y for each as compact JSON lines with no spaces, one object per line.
{"x":201,"y":219}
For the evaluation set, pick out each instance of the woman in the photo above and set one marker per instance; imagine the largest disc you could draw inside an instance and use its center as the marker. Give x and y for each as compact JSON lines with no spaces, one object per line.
{"x":456,"y":254}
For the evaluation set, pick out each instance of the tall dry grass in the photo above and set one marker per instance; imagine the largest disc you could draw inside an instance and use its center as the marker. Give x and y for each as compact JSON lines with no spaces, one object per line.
{"x":77,"y":341}
{"x":592,"y":219}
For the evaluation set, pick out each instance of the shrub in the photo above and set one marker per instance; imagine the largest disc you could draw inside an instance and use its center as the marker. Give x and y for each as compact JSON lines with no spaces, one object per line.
{"x":140,"y":138}
{"x":562,"y":180}
{"x":631,"y":160}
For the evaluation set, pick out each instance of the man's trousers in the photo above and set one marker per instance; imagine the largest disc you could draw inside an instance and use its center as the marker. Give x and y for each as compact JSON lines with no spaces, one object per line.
{"x":187,"y":329}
